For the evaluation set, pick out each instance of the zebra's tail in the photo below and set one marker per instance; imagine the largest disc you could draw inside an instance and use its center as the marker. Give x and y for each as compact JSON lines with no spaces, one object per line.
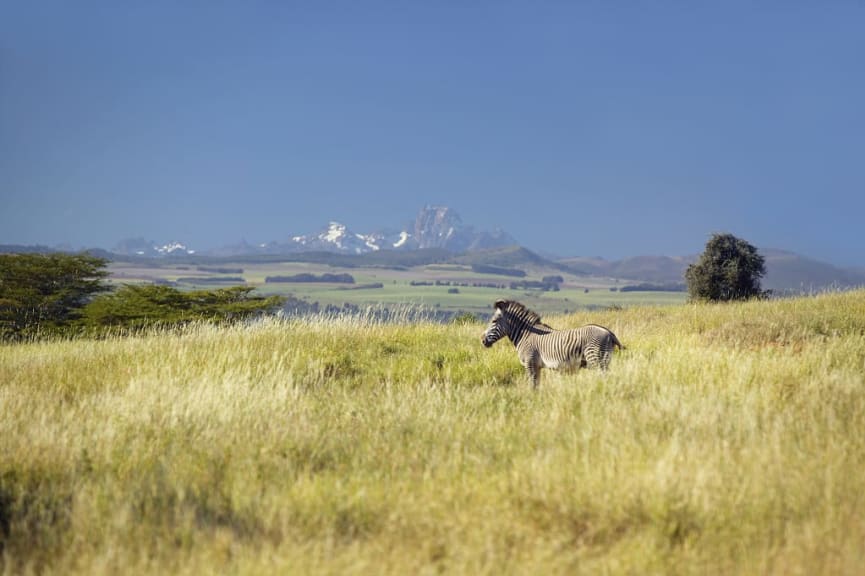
{"x":617,"y":343}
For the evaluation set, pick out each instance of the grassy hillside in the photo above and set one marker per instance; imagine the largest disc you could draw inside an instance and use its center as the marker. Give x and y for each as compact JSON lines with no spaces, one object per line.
{"x":725,"y":439}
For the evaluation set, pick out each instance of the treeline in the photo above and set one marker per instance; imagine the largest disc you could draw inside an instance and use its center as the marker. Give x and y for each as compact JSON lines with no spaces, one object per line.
{"x":647,"y":287}
{"x":454,"y":283}
{"x":211,"y":280}
{"x":307,"y":277}
{"x":370,"y":286}
{"x":535,"y":285}
{"x":500,"y":270}
{"x":218,"y":270}
{"x":547,"y":284}
{"x":49,"y":295}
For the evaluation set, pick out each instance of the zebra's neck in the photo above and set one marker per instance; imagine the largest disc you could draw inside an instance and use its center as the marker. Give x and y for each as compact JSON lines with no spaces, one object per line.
{"x":521,"y":321}
{"x":519,"y":329}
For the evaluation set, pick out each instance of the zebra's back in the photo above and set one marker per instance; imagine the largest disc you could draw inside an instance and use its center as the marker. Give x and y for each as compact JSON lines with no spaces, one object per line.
{"x":587,"y":346}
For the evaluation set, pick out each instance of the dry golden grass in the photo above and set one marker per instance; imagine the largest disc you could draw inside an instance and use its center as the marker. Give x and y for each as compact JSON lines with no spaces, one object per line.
{"x":725,"y":439}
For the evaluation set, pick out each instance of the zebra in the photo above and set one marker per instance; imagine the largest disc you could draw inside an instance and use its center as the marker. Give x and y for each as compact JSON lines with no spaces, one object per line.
{"x":541,"y":346}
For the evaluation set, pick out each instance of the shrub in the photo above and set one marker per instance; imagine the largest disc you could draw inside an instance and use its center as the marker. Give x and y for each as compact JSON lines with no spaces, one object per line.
{"x":729,"y":269}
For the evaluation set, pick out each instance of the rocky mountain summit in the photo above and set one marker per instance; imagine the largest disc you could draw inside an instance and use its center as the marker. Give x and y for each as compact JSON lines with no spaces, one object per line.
{"x":433,"y":227}
{"x":142,"y":247}
{"x":442,"y":227}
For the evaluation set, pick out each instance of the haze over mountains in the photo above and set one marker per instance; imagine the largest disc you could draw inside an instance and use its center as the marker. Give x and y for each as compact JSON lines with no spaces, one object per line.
{"x":441,"y":232}
{"x":434,"y":227}
{"x":785,"y":271}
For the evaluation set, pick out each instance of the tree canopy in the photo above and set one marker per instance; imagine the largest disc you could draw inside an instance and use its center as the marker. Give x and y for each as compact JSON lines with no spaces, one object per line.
{"x":44,"y":293}
{"x":729,"y":269}
{"x":62,"y":294}
{"x":147,"y":305}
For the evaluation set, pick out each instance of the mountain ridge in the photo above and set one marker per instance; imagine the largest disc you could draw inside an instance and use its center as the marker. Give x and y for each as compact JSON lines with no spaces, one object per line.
{"x":786,"y":272}
{"x":433,"y":227}
{"x":438,"y":235}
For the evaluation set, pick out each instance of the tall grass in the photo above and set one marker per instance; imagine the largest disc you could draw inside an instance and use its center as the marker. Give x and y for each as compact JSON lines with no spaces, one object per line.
{"x":725,"y":439}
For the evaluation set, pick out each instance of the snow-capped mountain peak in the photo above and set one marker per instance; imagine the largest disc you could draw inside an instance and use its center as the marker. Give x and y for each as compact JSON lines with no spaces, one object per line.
{"x":434,"y":227}
{"x":336,"y":236}
{"x":173,"y":248}
{"x":334,"y":233}
{"x":403,"y":239}
{"x":142,"y":247}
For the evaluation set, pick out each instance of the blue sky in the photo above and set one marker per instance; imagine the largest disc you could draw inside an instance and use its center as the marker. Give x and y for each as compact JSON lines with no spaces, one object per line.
{"x":582,"y":128}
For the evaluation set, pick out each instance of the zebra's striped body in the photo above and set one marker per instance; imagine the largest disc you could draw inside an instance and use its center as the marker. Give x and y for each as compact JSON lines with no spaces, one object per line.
{"x":540,"y":346}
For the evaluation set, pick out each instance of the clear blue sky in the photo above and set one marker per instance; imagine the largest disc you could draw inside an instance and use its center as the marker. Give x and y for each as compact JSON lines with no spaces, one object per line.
{"x":582,"y":128}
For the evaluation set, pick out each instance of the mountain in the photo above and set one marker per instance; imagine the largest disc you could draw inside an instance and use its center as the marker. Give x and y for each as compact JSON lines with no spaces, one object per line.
{"x":338,"y":238}
{"x":785,"y":271}
{"x":440,"y":235}
{"x":434,"y":227}
{"x":142,"y":247}
{"x":653,"y":269}
{"x":442,"y":227}
{"x":507,"y":257}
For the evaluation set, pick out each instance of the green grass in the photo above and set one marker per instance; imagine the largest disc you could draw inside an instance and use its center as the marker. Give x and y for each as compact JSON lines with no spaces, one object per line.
{"x":397,"y":291}
{"x":724,"y":440}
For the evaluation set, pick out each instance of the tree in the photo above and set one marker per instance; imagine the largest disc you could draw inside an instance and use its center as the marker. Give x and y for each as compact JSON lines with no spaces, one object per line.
{"x":48,"y":294}
{"x":729,"y":269}
{"x":141,"y":306}
{"x":44,"y":293}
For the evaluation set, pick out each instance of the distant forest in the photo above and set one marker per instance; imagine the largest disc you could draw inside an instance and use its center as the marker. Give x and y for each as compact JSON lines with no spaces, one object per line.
{"x":306,"y":277}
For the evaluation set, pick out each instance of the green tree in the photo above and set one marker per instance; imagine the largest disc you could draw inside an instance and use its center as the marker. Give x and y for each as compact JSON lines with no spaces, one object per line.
{"x":45,"y":293}
{"x":141,"y":306}
{"x":729,"y":269}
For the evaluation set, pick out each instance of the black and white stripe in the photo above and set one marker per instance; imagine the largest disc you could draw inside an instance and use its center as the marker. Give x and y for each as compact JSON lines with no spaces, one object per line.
{"x":540,"y":346}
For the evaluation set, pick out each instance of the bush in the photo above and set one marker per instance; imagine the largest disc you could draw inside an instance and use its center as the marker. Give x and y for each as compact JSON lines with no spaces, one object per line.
{"x":729,"y":269}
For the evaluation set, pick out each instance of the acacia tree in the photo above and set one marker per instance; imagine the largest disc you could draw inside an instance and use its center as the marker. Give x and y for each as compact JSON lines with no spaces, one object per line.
{"x":141,"y":306}
{"x":49,"y":294}
{"x":44,"y":293}
{"x":729,"y":269}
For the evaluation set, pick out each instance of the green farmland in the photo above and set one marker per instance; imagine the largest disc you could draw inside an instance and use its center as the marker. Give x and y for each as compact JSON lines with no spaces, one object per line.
{"x":393,"y":287}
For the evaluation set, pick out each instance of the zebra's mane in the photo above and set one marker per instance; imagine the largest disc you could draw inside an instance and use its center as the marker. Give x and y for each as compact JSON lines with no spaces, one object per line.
{"x":514,"y":308}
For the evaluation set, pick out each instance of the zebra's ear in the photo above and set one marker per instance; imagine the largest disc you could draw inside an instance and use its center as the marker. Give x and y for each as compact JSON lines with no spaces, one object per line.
{"x":500,"y":304}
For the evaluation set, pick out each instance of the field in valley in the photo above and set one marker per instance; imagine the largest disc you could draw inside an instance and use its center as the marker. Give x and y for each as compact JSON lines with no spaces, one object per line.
{"x":727,"y":439}
{"x":380,"y":286}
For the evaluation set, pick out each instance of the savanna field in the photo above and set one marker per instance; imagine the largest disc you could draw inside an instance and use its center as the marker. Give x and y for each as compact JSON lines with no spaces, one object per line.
{"x":726,"y":439}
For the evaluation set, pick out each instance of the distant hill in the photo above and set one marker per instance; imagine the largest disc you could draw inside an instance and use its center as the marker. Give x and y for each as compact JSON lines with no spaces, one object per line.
{"x":41,"y":249}
{"x":507,"y":257}
{"x":654,"y":269}
{"x":785,"y":271}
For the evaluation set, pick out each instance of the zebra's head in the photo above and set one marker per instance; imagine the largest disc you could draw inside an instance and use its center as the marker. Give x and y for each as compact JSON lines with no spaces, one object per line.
{"x":495,"y":329}
{"x":498,"y":327}
{"x":510,"y":319}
